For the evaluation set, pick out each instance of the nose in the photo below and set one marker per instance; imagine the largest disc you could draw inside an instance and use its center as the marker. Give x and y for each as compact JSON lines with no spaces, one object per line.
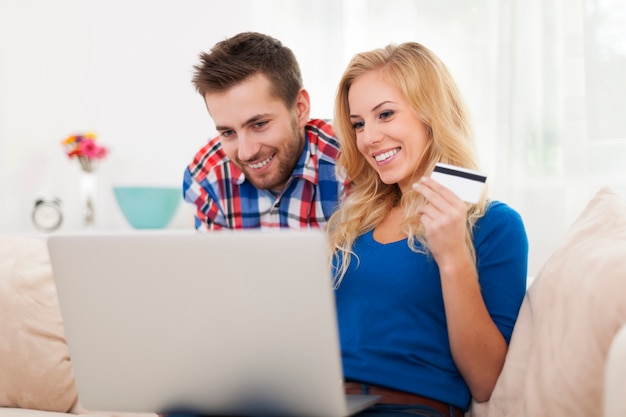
{"x":247,"y":148}
{"x":371,"y":134}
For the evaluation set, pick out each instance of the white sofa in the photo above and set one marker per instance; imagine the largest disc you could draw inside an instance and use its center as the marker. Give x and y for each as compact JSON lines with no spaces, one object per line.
{"x":567,"y":355}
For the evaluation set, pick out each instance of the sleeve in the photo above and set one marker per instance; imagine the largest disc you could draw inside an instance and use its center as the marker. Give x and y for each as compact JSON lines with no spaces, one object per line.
{"x":501,"y":247}
{"x":206,"y":207}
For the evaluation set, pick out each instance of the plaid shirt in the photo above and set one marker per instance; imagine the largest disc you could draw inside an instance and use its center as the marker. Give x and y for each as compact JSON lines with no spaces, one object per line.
{"x":225,"y":200}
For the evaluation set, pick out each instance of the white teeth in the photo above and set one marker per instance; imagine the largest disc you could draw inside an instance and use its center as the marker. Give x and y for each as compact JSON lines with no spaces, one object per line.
{"x":386,"y":155}
{"x":261,"y":164}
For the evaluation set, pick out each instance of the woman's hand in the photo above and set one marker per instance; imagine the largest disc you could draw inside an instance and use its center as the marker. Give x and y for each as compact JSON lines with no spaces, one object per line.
{"x":444,"y":218}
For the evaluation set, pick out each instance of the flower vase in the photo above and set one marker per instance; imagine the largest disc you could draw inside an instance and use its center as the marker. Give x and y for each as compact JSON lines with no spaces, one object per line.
{"x":88,"y":190}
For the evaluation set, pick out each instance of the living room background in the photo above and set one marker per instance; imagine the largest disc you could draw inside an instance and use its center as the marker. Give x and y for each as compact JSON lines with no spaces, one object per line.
{"x":544,"y":80}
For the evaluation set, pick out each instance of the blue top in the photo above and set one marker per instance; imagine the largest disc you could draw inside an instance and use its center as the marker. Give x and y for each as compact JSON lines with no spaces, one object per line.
{"x":391,"y":314}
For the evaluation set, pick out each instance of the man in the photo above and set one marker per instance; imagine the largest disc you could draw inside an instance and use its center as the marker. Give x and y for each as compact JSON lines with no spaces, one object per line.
{"x":270,"y":165}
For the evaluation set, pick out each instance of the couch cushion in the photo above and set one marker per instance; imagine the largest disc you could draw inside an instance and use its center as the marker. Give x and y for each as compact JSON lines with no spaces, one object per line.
{"x":35,"y":370}
{"x":568,"y":318}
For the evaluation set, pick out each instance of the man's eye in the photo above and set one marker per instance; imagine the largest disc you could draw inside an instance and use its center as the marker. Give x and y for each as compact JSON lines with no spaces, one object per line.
{"x":227,"y":133}
{"x":259,"y":125}
{"x":358,"y":125}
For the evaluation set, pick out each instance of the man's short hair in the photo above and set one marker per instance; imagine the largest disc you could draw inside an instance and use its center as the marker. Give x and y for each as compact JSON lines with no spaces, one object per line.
{"x":233,"y":60}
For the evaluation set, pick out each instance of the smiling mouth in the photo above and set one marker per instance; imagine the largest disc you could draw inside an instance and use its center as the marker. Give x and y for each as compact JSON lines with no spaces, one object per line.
{"x":261,"y":164}
{"x":386,"y":155}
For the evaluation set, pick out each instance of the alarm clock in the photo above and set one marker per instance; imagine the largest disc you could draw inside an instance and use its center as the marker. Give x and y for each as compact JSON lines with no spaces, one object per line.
{"x":47,"y":215}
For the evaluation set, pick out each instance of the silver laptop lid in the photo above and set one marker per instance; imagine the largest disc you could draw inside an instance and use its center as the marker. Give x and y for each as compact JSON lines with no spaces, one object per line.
{"x":223,"y":323}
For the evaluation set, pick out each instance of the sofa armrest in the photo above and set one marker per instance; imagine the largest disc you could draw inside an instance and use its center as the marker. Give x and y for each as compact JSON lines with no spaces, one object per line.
{"x":615,"y":376}
{"x":35,"y":368}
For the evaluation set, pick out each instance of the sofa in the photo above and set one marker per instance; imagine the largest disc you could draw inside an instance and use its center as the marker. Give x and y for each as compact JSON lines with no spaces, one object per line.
{"x":567,"y":355}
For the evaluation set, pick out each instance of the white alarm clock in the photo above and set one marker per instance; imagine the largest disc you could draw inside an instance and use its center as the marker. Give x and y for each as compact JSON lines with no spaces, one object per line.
{"x":47,"y":215}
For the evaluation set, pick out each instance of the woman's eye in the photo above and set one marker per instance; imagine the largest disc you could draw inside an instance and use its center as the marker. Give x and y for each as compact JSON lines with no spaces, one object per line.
{"x":386,"y":114}
{"x":358,"y":125}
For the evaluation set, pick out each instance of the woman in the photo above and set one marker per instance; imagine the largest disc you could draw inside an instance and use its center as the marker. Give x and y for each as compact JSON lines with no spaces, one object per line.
{"x":428,"y":287}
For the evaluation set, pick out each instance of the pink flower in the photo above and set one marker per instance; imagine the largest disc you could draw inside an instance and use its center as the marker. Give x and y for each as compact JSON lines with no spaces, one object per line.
{"x":89,"y":149}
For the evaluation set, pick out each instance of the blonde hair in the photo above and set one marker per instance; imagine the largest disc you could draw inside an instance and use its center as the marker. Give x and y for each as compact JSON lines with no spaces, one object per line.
{"x":434,"y":97}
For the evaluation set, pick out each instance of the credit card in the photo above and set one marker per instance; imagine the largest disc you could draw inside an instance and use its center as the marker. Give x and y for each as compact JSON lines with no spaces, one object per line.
{"x":465,"y":183}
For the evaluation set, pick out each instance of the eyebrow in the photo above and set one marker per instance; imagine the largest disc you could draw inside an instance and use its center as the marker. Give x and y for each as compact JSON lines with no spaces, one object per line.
{"x":376,"y":107}
{"x":250,"y":121}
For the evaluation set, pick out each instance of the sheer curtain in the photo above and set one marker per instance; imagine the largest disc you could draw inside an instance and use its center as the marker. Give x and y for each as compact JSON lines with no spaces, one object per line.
{"x":562,"y":124}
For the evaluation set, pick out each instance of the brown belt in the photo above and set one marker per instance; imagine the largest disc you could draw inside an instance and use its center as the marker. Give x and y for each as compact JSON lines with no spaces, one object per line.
{"x":390,"y":396}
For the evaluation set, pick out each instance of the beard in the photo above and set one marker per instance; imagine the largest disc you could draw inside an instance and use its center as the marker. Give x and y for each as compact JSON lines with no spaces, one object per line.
{"x":284,"y":161}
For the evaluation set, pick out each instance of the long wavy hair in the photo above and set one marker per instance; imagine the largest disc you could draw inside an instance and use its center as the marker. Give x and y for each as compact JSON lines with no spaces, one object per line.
{"x":435,"y":99}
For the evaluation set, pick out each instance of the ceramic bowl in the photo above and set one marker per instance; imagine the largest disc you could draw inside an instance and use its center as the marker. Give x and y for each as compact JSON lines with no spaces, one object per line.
{"x":148,"y":207}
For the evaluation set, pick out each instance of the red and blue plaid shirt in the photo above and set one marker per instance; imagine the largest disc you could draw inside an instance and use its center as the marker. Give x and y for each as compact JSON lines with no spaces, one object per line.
{"x":224,"y":199}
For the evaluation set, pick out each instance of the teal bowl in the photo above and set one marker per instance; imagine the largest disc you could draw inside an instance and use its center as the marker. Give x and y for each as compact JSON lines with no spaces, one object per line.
{"x":148,"y":207}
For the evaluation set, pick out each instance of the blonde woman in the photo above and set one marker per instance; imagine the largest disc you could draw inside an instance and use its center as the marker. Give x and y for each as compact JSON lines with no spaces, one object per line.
{"x":428,"y":287}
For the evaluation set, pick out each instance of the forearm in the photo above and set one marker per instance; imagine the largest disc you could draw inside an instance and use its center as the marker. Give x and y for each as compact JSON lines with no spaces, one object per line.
{"x":477,"y":346}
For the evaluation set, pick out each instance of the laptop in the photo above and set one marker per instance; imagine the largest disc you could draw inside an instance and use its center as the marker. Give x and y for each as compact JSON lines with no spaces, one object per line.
{"x":225,"y":323}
